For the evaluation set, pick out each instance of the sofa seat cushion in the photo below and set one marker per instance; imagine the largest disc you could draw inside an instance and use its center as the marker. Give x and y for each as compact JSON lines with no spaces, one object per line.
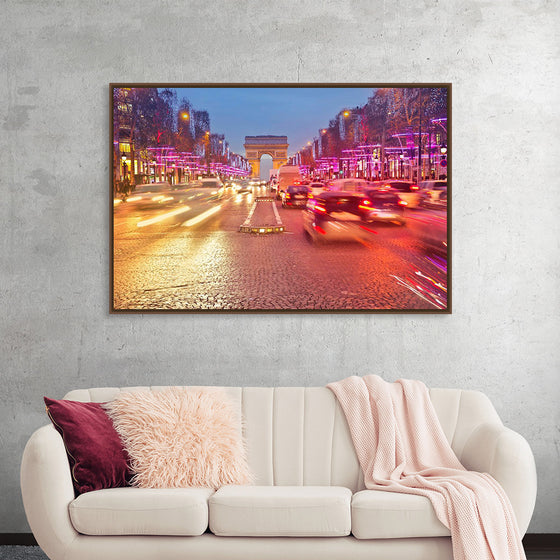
{"x":280,"y":511}
{"x":391,"y":515}
{"x":142,"y":511}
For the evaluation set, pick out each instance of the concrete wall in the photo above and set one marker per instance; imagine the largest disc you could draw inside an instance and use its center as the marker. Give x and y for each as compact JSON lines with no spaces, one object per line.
{"x":57,"y":60}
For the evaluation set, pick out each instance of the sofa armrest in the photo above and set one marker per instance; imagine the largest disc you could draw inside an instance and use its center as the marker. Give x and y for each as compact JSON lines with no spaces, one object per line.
{"x":504,"y":454}
{"x":47,"y":490}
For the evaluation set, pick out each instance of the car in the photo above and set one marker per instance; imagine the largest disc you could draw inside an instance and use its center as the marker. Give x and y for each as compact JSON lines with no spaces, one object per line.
{"x":295,"y":196}
{"x":337,"y":216}
{"x":384,"y":206}
{"x":153,"y":195}
{"x":348,"y":185}
{"x":150,"y":188}
{"x":211,"y":182}
{"x":434,"y":193}
{"x":407,"y":191}
{"x":316,"y":188}
{"x":433,"y":184}
{"x":287,"y":175}
{"x":244,"y":187}
{"x":430,"y":229}
{"x":215,"y":186}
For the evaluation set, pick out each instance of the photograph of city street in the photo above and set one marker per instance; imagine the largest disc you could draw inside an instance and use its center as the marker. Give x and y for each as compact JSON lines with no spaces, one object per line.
{"x":276,"y":198}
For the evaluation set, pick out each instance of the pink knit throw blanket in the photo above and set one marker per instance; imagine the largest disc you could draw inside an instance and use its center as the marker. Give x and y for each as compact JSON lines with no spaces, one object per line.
{"x":402,"y":448}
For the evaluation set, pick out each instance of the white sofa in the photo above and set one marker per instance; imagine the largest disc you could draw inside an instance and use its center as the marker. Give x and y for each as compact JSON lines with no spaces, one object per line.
{"x":308,"y":501}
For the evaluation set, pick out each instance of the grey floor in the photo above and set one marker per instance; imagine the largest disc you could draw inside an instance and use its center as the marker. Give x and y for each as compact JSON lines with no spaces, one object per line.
{"x":22,"y":553}
{"x":35,"y":553}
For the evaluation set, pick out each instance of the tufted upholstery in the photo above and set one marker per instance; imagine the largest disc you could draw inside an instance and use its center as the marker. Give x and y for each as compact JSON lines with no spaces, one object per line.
{"x":298,"y":436}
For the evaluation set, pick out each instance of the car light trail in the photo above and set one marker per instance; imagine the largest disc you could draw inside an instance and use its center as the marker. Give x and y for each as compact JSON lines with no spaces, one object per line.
{"x":201,"y":217}
{"x":439,"y":304}
{"x":435,"y":283}
{"x":134,"y":198}
{"x":162,"y":217}
{"x":438,"y":262}
{"x":368,"y":229}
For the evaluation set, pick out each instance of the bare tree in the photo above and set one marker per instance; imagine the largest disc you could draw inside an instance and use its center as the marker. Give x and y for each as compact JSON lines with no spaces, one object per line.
{"x":185,"y":136}
{"x":378,"y":115}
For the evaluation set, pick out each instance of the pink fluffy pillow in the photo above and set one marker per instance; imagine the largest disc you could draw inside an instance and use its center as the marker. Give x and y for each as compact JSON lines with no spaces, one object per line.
{"x":180,"y":437}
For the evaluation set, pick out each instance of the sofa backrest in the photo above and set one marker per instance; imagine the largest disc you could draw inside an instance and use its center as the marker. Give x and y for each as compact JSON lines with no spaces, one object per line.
{"x":299,"y":436}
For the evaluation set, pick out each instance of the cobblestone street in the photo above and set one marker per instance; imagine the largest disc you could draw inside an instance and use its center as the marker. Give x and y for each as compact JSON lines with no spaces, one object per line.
{"x":214,"y":266}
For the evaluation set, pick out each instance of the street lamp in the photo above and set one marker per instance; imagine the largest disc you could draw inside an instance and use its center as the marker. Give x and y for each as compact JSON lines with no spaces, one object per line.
{"x":185,"y":116}
{"x":442,"y":160}
{"x":123,"y":160}
{"x":346,"y":113}
{"x":207,"y":150}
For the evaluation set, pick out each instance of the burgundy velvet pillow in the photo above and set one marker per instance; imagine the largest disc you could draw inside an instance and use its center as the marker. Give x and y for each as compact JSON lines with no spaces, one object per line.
{"x":97,"y":456}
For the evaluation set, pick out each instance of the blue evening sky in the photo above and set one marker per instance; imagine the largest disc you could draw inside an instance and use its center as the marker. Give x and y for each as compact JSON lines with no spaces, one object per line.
{"x":298,"y":113}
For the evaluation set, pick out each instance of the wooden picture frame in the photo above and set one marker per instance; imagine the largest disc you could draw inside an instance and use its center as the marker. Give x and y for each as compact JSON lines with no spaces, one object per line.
{"x":351,"y":213}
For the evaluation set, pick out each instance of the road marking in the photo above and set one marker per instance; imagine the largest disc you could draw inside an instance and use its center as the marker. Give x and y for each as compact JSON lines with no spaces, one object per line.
{"x":278,"y":220}
{"x":162,"y":217}
{"x":251,"y":212}
{"x":202,"y":217}
{"x":246,"y":226}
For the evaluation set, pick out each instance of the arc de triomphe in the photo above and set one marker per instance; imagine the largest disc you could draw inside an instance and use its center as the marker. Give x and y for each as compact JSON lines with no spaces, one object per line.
{"x":274,"y":146}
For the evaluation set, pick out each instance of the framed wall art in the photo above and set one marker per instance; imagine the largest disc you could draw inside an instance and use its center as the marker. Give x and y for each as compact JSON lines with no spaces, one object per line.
{"x":280,"y":197}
